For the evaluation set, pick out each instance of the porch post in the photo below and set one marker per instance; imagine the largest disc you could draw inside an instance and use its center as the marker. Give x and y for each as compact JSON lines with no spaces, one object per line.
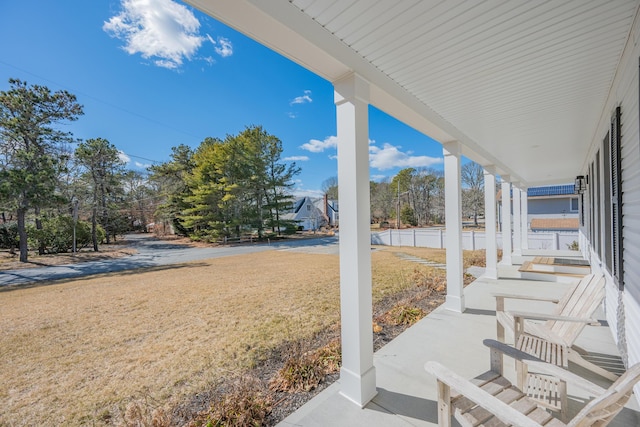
{"x":453,"y":226}
{"x":517,"y":217}
{"x":357,"y":375}
{"x":506,"y":220}
{"x":524,"y":202}
{"x":491,"y":244}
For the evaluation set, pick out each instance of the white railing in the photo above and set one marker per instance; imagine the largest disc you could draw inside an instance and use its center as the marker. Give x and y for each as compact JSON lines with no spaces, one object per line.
{"x":471,"y":240}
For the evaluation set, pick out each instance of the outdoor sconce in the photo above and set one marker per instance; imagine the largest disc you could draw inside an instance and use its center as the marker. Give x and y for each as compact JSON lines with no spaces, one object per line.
{"x":580,"y":185}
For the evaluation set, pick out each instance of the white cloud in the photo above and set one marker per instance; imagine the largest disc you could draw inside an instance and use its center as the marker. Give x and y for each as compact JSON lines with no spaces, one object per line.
{"x":123,"y":157}
{"x":378,"y":178}
{"x":142,"y":165}
{"x":389,"y":156}
{"x":161,"y":30}
{"x":291,"y":115}
{"x":296,"y":159}
{"x":225,"y":47}
{"x":304,"y":192}
{"x":317,"y":146}
{"x":303,"y":99}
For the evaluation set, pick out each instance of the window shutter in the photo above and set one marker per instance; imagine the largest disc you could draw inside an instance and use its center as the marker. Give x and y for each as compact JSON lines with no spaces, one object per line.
{"x":616,"y":199}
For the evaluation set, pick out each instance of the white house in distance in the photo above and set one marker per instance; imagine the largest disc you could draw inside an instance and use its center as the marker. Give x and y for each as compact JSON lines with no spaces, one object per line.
{"x":329,"y":208}
{"x":313,"y":213}
{"x":538,"y":93}
{"x":305,"y":213}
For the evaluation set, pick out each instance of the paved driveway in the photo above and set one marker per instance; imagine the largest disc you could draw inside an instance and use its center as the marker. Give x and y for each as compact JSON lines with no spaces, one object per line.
{"x":153,"y":252}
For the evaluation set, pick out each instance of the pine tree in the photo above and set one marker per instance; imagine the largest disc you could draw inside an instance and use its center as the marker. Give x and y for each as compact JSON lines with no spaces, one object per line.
{"x":31,"y":148}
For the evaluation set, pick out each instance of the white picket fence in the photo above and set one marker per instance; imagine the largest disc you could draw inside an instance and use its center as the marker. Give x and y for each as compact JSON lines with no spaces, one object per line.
{"x":471,"y":240}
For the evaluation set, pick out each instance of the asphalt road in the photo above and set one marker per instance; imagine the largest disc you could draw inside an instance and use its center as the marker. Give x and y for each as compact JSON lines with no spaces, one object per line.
{"x":153,"y":252}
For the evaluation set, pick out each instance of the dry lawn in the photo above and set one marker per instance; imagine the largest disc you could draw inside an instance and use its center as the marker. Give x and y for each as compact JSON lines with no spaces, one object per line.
{"x":78,"y":352}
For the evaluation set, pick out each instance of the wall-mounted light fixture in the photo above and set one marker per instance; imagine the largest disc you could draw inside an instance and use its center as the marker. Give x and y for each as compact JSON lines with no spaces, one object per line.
{"x":581,"y":184}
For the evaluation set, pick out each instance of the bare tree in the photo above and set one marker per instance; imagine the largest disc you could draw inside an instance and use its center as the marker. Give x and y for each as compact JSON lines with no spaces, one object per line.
{"x":330,"y":187}
{"x":472,"y":176}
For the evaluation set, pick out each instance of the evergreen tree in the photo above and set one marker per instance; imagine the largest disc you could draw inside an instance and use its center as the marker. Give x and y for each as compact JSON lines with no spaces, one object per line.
{"x":103,"y":169}
{"x":170,"y":183}
{"x":31,"y":147}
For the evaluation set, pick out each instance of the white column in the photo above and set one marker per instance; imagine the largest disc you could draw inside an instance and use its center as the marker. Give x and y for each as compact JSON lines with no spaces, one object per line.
{"x":453,"y":225}
{"x":517,"y":217}
{"x":491,"y":243}
{"x":524,"y":203}
{"x":506,"y":220}
{"x":357,"y":375}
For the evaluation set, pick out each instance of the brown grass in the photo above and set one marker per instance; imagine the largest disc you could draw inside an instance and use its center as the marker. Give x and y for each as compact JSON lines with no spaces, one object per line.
{"x":84,"y":351}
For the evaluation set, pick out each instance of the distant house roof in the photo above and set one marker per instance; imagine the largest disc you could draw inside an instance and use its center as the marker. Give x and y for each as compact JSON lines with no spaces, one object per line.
{"x":554,"y":224}
{"x":550,"y":190}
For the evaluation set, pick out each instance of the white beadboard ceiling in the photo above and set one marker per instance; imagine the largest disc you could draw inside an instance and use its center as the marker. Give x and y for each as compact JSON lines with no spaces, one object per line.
{"x":521,"y":84}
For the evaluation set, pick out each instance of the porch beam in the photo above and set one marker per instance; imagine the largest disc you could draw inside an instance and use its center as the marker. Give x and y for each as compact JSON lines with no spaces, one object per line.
{"x":517,"y":221}
{"x":453,"y":224}
{"x":357,"y":375}
{"x":506,"y":220}
{"x":491,"y":244}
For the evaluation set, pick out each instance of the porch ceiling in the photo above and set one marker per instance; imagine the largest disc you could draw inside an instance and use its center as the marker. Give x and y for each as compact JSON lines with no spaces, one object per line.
{"x":521,"y":84}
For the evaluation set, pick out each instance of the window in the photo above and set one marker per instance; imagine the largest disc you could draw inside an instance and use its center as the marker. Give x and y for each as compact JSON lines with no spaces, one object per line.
{"x":309,"y":208}
{"x":606,"y":154}
{"x":582,"y":207}
{"x":598,"y":202}
{"x":592,"y":212}
{"x":574,"y":205}
{"x":616,"y":199}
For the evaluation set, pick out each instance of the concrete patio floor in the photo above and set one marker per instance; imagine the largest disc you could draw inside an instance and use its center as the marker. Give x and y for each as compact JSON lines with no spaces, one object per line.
{"x":407,"y":393}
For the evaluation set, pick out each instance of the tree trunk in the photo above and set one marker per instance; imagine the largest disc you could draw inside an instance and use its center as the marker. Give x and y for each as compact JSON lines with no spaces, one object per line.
{"x":22,"y":234}
{"x":94,"y":232}
{"x":41,"y":245}
{"x":105,"y":214}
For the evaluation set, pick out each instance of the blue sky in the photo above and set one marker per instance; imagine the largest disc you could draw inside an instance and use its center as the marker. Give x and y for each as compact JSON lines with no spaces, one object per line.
{"x":153,"y":74}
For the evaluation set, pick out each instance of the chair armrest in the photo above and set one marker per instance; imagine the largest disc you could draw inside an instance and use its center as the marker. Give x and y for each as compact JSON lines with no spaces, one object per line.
{"x":537,"y":365}
{"x":543,"y":316}
{"x":500,"y":409}
{"x":525,"y":297}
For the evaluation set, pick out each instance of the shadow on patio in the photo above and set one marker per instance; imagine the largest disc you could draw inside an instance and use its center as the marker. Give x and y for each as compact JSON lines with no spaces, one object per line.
{"x":407,"y":394}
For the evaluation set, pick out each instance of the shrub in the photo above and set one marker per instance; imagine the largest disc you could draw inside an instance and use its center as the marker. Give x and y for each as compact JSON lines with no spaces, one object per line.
{"x":330,"y":357}
{"x":301,"y":372}
{"x":574,"y":246}
{"x":407,"y":215}
{"x":245,"y":403}
{"x":9,"y":235}
{"x":474,"y":258}
{"x":141,"y":413}
{"x":404,"y":315}
{"x":432,"y":279}
{"x":57,"y":234}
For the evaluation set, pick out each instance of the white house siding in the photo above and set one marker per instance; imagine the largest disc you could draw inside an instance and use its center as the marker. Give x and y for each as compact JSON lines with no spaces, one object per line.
{"x":628,"y":93}
{"x":623,"y":308}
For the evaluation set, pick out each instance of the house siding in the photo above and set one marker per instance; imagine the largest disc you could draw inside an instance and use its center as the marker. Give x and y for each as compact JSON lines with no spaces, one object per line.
{"x":622,"y":306}
{"x":555,"y":207}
